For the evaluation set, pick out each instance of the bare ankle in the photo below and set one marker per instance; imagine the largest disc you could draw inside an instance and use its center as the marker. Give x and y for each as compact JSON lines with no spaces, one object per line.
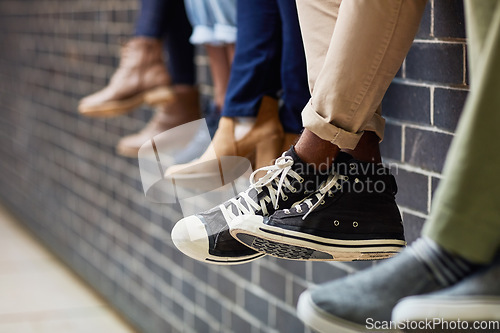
{"x":316,"y":151}
{"x":368,"y":149}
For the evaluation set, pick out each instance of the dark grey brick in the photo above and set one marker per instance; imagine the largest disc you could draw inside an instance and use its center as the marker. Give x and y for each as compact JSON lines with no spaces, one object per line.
{"x":214,"y":308}
{"x":450,"y":20}
{"x":239,"y":324}
{"x":412,"y":190}
{"x":407,"y":103}
{"x":436,"y":62}
{"x":359,"y":265}
{"x":189,"y":291}
{"x":426,"y":149}
{"x":323,"y":272}
{"x":287,"y":322}
{"x":391,"y":145}
{"x":200,"y":325}
{"x":201,"y":271}
{"x":226,"y":287}
{"x":434,"y":185}
{"x":448,"y":105}
{"x":424,"y":30}
{"x":244,"y":270}
{"x":257,"y":306}
{"x":413,"y":225}
{"x":272,"y":282}
{"x":298,"y":288}
{"x":297,"y":268}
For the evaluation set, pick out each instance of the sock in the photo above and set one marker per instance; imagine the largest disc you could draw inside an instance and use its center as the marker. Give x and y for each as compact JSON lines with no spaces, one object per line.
{"x":447,"y":268}
{"x":243,"y":125}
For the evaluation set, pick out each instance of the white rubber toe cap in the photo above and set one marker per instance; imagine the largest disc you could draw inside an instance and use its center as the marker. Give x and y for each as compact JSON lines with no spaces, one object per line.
{"x":190,"y":237}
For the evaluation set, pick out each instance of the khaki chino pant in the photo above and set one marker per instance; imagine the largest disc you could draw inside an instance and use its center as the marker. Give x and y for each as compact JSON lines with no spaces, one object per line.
{"x":354,"y":49}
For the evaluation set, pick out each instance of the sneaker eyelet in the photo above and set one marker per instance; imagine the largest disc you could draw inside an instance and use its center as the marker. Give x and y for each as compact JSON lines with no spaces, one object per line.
{"x":357,"y":180}
{"x":345,"y":178}
{"x":355,"y":224}
{"x":338,"y":186}
{"x":352,"y":166}
{"x":322,"y":202}
{"x":293,"y":190}
{"x":336,"y":223}
{"x":285,"y":198}
{"x":301,"y":180}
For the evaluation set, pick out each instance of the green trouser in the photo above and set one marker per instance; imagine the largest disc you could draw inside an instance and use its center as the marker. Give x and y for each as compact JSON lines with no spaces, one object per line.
{"x":465,"y":218}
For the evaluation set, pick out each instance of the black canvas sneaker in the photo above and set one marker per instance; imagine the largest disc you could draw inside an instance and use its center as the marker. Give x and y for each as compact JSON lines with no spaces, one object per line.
{"x":205,"y":236}
{"x":352,"y":216}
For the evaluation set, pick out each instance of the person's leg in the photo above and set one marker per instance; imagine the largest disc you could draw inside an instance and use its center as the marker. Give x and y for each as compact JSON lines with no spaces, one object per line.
{"x":220,"y":68}
{"x":466,"y":215}
{"x":141,"y":76}
{"x":167,"y":21}
{"x":351,"y":63}
{"x":345,"y":98}
{"x":293,"y":69}
{"x":463,"y":230}
{"x":151,"y":20}
{"x":256,"y":68}
{"x":176,"y":31}
{"x":249,"y":116}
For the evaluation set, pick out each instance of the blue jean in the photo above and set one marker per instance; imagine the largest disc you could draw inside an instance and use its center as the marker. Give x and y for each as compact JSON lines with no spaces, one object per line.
{"x":166,"y":19}
{"x":213,"y":21}
{"x":269,"y":60}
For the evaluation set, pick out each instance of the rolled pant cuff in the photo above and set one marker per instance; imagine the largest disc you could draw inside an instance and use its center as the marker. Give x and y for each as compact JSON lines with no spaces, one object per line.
{"x":314,"y":122}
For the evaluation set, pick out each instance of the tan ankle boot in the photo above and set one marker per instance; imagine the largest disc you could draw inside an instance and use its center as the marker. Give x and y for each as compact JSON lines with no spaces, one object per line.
{"x":140,"y":78}
{"x":184,"y":108}
{"x":262,"y":145}
{"x":290,"y":139}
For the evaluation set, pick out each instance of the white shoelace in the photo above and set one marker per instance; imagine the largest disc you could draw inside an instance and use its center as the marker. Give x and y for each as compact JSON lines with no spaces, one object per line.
{"x":324,"y":190}
{"x":277,"y":175}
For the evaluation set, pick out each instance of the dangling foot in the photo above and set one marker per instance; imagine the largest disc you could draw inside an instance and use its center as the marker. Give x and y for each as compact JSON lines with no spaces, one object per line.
{"x":140,"y":78}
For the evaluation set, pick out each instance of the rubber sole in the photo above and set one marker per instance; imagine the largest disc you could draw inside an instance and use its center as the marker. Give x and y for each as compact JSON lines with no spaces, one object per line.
{"x":293,"y":245}
{"x":153,"y":97}
{"x":450,"y":308}
{"x":321,"y":321}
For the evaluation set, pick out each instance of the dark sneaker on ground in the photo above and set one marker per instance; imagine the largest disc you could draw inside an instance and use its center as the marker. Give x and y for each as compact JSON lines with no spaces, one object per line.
{"x":352,"y":216}
{"x":205,"y":236}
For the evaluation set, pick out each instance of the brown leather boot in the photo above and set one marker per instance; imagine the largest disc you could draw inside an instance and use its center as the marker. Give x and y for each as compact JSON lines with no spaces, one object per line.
{"x":140,"y":78}
{"x":184,"y":108}
{"x":262,"y":145}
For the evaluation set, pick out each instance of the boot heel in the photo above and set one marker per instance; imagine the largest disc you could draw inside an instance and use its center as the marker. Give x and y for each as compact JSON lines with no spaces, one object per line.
{"x":266,"y":151}
{"x":159,"y":95}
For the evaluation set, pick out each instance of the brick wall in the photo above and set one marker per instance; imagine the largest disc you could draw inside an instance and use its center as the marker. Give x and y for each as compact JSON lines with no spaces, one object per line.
{"x":60,"y":175}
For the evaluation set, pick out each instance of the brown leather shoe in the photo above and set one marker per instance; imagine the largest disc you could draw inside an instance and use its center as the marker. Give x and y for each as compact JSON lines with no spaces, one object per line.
{"x":140,"y":78}
{"x":262,"y":145}
{"x":184,"y":108}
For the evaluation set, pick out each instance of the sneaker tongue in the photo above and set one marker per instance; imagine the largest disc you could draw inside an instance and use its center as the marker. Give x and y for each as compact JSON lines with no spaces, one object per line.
{"x":291,"y":152}
{"x":343,"y":158}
